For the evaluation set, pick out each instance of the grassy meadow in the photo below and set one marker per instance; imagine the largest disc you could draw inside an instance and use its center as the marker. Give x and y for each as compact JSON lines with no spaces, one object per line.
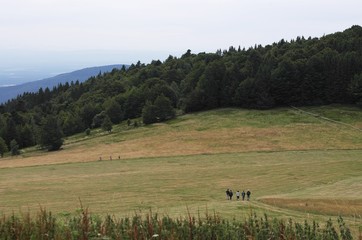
{"x":295,"y":164}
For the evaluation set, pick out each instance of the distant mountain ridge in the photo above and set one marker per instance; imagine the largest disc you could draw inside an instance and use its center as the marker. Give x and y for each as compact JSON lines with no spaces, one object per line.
{"x":10,"y":92}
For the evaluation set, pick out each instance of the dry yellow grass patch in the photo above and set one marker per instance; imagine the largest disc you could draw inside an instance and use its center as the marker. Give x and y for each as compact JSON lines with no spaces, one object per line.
{"x":335,"y":207}
{"x":165,"y":141}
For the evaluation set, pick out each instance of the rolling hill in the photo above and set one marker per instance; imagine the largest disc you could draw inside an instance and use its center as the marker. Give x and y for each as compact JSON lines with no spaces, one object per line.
{"x":302,"y":72}
{"x":297,"y":165}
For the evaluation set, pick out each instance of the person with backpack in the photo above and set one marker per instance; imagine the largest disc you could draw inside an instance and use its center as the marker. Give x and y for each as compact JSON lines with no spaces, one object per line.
{"x":248,"y":193}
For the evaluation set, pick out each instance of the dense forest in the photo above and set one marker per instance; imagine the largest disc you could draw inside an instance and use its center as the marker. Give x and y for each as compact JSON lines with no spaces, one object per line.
{"x":312,"y":71}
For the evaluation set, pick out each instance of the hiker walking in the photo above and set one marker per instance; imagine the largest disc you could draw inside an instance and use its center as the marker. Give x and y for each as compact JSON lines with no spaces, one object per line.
{"x":243,"y":195}
{"x":237,"y":195}
{"x":227,"y":194}
{"x":248,"y":193}
{"x":231,"y":194}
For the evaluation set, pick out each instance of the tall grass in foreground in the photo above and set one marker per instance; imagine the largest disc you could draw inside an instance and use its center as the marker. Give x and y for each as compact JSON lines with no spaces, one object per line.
{"x":152,"y":226}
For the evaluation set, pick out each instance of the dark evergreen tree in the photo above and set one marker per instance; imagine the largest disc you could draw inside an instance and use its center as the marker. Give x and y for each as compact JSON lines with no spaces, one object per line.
{"x":284,"y":83}
{"x":149,"y":113}
{"x":210,"y":85}
{"x":3,"y":147}
{"x":27,"y":136}
{"x":355,"y":89}
{"x":72,"y":124}
{"x":87,"y":114}
{"x":114,"y":111}
{"x":3,"y":126}
{"x":160,"y":111}
{"x":194,"y":102}
{"x":51,"y":137}
{"x":164,"y":109}
{"x":11,"y":131}
{"x":134,"y":103}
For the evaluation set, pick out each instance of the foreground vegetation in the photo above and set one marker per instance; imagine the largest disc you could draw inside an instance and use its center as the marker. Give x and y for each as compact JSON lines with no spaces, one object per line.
{"x":152,"y":226}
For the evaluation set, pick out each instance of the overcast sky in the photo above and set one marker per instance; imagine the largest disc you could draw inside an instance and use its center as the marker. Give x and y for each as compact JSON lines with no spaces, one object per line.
{"x":65,"y":34}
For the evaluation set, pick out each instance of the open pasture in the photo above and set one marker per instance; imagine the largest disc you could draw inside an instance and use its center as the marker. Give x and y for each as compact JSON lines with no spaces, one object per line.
{"x":213,"y":132}
{"x":287,"y":184}
{"x":296,"y":165}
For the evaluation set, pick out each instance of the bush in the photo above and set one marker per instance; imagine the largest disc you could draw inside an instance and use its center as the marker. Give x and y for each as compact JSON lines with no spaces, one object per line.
{"x":14,"y":147}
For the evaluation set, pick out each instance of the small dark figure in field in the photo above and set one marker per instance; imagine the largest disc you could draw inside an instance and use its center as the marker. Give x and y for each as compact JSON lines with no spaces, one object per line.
{"x":237,"y":195}
{"x":227,"y":194}
{"x":110,"y":158}
{"x":243,"y":195}
{"x":248,"y":193}
{"x":231,"y":194}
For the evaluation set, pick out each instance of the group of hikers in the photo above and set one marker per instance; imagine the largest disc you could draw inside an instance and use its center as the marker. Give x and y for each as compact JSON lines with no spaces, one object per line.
{"x":230,"y":194}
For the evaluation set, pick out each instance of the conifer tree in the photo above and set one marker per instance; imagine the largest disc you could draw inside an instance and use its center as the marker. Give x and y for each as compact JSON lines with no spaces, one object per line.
{"x":51,"y":134}
{"x":3,"y":147}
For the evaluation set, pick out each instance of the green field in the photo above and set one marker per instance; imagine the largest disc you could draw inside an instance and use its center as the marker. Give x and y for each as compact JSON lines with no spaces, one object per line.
{"x":295,"y":164}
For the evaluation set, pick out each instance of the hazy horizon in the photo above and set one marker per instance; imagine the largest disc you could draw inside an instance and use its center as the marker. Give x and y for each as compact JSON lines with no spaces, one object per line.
{"x":22,"y":67}
{"x":42,"y":38}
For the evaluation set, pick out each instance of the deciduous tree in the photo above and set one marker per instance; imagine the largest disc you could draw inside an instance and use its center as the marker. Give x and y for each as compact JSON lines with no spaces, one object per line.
{"x":107,"y":124}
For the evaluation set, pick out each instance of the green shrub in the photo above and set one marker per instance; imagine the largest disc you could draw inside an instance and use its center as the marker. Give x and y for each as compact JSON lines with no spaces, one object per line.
{"x":88,"y":131}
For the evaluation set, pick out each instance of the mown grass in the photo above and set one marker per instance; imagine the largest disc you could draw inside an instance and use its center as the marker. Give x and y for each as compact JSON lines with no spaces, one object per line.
{"x":170,"y":185}
{"x":187,"y":163}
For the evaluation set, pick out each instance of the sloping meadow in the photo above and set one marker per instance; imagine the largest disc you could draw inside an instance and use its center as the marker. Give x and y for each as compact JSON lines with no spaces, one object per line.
{"x":296,"y":165}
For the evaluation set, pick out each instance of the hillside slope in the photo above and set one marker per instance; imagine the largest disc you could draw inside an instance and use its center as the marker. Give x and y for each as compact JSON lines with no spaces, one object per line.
{"x":302,"y":72}
{"x":211,"y":132}
{"x":297,"y":165}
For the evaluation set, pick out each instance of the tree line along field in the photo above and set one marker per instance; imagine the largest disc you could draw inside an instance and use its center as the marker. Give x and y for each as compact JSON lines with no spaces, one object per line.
{"x":296,"y":165}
